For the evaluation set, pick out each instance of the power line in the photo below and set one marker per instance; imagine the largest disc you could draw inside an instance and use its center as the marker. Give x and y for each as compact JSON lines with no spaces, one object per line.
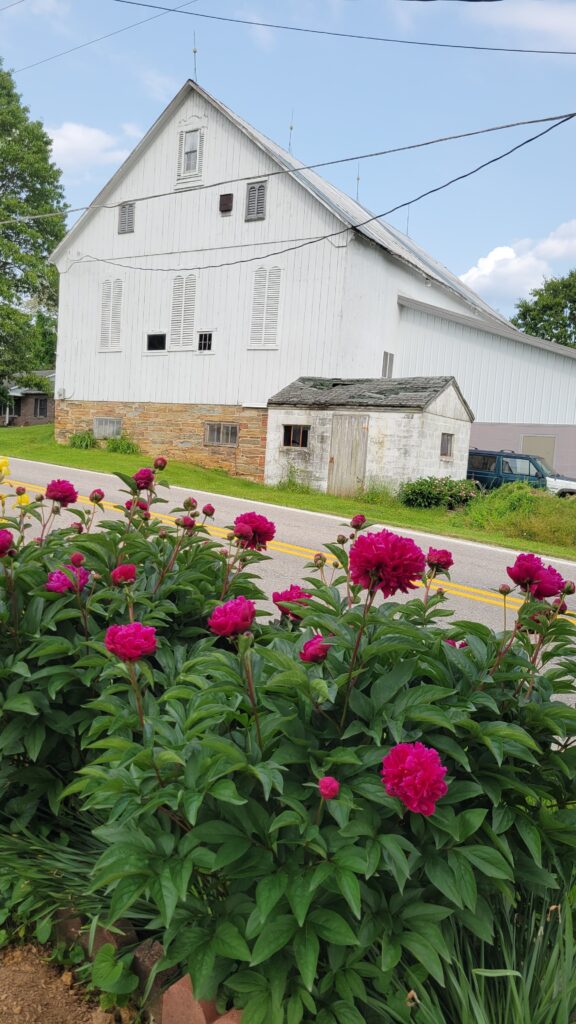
{"x":341,"y":231}
{"x":8,"y":6}
{"x":291,"y":170}
{"x":117,"y":32}
{"x":350,"y":35}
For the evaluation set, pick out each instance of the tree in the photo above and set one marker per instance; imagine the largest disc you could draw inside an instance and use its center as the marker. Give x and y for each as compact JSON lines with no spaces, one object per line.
{"x":551,"y":310}
{"x":29,"y":184}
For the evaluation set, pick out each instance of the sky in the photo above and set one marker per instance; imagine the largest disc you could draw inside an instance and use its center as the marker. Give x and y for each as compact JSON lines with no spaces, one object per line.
{"x":503,"y":230}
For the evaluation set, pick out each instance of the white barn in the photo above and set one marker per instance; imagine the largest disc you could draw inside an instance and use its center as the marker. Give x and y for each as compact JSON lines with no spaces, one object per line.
{"x":212,"y":270}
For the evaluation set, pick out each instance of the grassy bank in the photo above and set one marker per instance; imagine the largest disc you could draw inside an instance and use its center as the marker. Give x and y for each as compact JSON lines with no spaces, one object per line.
{"x":539,"y":523}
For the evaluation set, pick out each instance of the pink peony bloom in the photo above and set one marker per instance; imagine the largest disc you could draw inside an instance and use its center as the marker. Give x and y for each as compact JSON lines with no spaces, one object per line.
{"x":357,"y":521}
{"x":315,"y":650}
{"x":125,"y":573}
{"x":61,"y":491}
{"x":439,"y":558}
{"x":131,"y":642}
{"x":208,"y":510}
{"x":75,"y":578}
{"x":96,"y":496}
{"x":233,"y":617}
{"x":6,"y":542}
{"x":414,"y":774}
{"x":329,"y":787}
{"x":144,"y":478}
{"x":387,"y":562}
{"x":530,"y":574}
{"x":262,"y":530}
{"x":142,"y":506}
{"x":186,"y":523}
{"x":160,"y":463}
{"x":294,"y":595}
{"x":454,"y":643}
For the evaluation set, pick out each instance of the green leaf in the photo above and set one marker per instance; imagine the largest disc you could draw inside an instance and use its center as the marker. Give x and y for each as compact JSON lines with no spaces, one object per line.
{"x":258,"y":1010}
{"x":349,"y":886}
{"x":487,"y":860}
{"x":229,"y":942}
{"x":487,"y":972}
{"x":387,"y":685}
{"x":225,"y":790}
{"x":333,"y":928}
{"x":269,"y":891}
{"x":300,"y":895}
{"x":273,"y":937}
{"x":21,"y":702}
{"x":347,"y":1014}
{"x":421,"y":949}
{"x":306,"y":952}
{"x":442,"y":877}
{"x":391,"y":953}
{"x":294,"y":1010}
{"x":106,"y":972}
{"x":531,"y":837}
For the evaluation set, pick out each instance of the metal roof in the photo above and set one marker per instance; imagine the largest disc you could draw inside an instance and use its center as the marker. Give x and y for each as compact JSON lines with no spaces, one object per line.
{"x":365,"y":392}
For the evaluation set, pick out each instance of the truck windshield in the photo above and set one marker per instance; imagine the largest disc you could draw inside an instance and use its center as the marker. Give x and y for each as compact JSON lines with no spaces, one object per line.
{"x":548,"y":469}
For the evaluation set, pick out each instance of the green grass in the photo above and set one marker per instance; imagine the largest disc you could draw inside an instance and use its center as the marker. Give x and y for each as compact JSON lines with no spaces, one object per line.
{"x":37,"y":444}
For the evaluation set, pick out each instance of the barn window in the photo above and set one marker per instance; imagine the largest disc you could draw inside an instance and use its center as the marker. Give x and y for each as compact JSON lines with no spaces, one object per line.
{"x":265,"y":308}
{"x":156,"y":343}
{"x":110,"y":315}
{"x":387,"y":364}
{"x":296,"y":436}
{"x":183,"y":310}
{"x":221,"y":434}
{"x":106,"y":426}
{"x":226,"y":202}
{"x":126,"y":219}
{"x":447,"y":446}
{"x":205,"y":341}
{"x":190,"y":153}
{"x":256,"y":200}
{"x":40,"y":408}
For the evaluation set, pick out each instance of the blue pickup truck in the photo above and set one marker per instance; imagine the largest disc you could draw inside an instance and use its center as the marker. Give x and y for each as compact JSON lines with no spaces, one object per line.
{"x":492,"y":469}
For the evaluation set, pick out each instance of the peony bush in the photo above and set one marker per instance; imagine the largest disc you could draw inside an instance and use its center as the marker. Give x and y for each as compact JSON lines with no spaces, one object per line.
{"x":312,"y":808}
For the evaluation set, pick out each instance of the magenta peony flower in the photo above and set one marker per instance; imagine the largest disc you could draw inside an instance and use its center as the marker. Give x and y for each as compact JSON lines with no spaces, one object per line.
{"x":439,"y":558}
{"x":315,"y":650}
{"x":357,"y":521}
{"x":144,"y":478}
{"x":294,"y":595}
{"x":415,"y":774}
{"x":329,"y":787}
{"x":208,"y":510}
{"x":6,"y":542}
{"x":131,"y":642}
{"x":125,"y":573}
{"x":75,"y":578}
{"x":142,"y":506}
{"x":61,"y":491}
{"x":96,"y":496}
{"x":454,"y":643}
{"x":160,"y":463}
{"x":262,"y":530}
{"x":186,"y":522}
{"x":233,"y":617}
{"x":530,"y":574}
{"x":387,"y":562}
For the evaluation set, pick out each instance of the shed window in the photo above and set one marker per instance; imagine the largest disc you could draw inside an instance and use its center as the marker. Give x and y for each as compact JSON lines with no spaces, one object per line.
{"x":126,"y":219}
{"x":205,"y":341}
{"x":40,"y":408}
{"x":226,"y":202}
{"x":106,"y":426}
{"x":256,"y":200}
{"x":447,"y":446}
{"x":156,"y":342}
{"x":387,"y":364}
{"x":296,"y":436}
{"x":221,"y":434}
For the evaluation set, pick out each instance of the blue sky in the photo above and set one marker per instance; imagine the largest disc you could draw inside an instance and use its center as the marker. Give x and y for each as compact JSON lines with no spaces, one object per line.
{"x":503,"y":230}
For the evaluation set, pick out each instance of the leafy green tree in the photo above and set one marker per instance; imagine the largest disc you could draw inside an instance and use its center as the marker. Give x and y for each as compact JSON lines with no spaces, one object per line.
{"x":551,"y":310}
{"x":30,"y":184}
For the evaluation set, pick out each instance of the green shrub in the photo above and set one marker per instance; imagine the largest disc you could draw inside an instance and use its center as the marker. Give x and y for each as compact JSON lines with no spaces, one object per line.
{"x":183,"y":786}
{"x":518,"y":510}
{"x":122,"y":445}
{"x":433,"y":491}
{"x":82,"y":439}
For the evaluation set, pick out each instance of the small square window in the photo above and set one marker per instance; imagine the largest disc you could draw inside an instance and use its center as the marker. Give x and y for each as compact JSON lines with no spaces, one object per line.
{"x":447,"y":446}
{"x":226,"y":202}
{"x":126,"y":219}
{"x":205,"y":341}
{"x":40,"y":408}
{"x":256,"y":200}
{"x":156,"y":343}
{"x":221,"y":434}
{"x":296,"y":436}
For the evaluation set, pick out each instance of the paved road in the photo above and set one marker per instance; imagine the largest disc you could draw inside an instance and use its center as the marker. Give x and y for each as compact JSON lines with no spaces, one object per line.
{"x":478,"y":571}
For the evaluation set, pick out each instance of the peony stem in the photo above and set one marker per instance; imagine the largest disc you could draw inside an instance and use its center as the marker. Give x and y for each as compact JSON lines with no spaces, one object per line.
{"x":350,"y":681}
{"x":252,"y":696}
{"x":137,"y":693}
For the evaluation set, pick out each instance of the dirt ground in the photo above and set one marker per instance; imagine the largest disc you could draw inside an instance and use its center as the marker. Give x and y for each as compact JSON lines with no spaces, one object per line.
{"x":32,"y":991}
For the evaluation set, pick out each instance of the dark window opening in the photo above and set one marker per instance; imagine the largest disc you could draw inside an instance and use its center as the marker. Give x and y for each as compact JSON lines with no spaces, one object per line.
{"x":447,"y":446}
{"x":205,"y":341}
{"x":221,"y":434}
{"x":387,"y":364}
{"x":40,"y":408}
{"x":296,"y":436}
{"x":226,"y":202}
{"x":14,"y":408}
{"x":156,"y":343}
{"x":482,"y":463}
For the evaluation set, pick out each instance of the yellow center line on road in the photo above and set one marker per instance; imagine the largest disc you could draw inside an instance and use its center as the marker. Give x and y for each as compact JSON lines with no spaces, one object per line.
{"x":463,"y":590}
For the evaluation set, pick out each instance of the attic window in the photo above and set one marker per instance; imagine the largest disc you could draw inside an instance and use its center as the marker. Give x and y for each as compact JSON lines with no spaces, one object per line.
{"x":256,"y":200}
{"x":190,"y":154}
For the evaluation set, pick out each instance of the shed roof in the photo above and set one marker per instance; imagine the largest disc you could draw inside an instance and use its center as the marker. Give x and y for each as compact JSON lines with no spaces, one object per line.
{"x":365,"y":392}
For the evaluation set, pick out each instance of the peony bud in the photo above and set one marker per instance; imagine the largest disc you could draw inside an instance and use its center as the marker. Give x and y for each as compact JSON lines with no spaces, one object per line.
{"x":504,"y":589}
{"x":341,"y":539}
{"x":329,"y":787}
{"x":569,"y":587}
{"x":77,"y":558}
{"x":190,"y":504}
{"x":96,"y":496}
{"x":208,"y":510}
{"x":20,"y":490}
{"x":160,"y":463}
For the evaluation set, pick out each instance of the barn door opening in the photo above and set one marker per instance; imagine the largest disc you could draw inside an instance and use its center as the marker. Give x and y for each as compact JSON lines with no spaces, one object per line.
{"x":348,"y":449}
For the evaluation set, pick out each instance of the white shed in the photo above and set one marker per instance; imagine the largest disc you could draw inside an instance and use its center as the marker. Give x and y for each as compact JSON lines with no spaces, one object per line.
{"x":341,"y":435}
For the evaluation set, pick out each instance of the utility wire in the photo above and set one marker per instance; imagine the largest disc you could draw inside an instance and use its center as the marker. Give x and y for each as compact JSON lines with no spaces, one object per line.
{"x":290,"y":170}
{"x":8,"y":6}
{"x":341,"y":231}
{"x":117,"y":32}
{"x":350,"y":35}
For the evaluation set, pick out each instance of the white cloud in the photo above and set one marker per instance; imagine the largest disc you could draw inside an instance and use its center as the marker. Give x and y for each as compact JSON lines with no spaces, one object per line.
{"x":132,"y":131}
{"x":508,"y":272}
{"x":158,"y":86}
{"x":262,"y":36}
{"x":549,"y":23}
{"x":79,"y":147}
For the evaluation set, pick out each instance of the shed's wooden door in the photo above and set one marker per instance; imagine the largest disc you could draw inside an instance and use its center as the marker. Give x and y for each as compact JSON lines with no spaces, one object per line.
{"x":348,"y":449}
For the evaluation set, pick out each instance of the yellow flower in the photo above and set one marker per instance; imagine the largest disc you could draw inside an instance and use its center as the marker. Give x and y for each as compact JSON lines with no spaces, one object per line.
{"x":4,"y":465}
{"x":22,"y":500}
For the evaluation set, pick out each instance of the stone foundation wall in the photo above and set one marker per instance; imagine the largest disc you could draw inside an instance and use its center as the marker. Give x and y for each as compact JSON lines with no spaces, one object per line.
{"x":177,"y":431}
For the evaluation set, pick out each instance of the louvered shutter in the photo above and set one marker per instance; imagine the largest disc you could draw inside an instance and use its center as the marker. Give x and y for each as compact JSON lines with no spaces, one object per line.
{"x":181,"y":137}
{"x":177,"y":306}
{"x":116,"y":314}
{"x":258,"y":306}
{"x":261,"y":200}
{"x":189,"y":311}
{"x":129,"y":216}
{"x":251,"y":202}
{"x":200,"y":152}
{"x":105,"y":310}
{"x":270,"y":332}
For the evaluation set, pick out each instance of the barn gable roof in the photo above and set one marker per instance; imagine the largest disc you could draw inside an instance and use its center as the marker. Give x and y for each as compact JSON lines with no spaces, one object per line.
{"x":365,"y":392}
